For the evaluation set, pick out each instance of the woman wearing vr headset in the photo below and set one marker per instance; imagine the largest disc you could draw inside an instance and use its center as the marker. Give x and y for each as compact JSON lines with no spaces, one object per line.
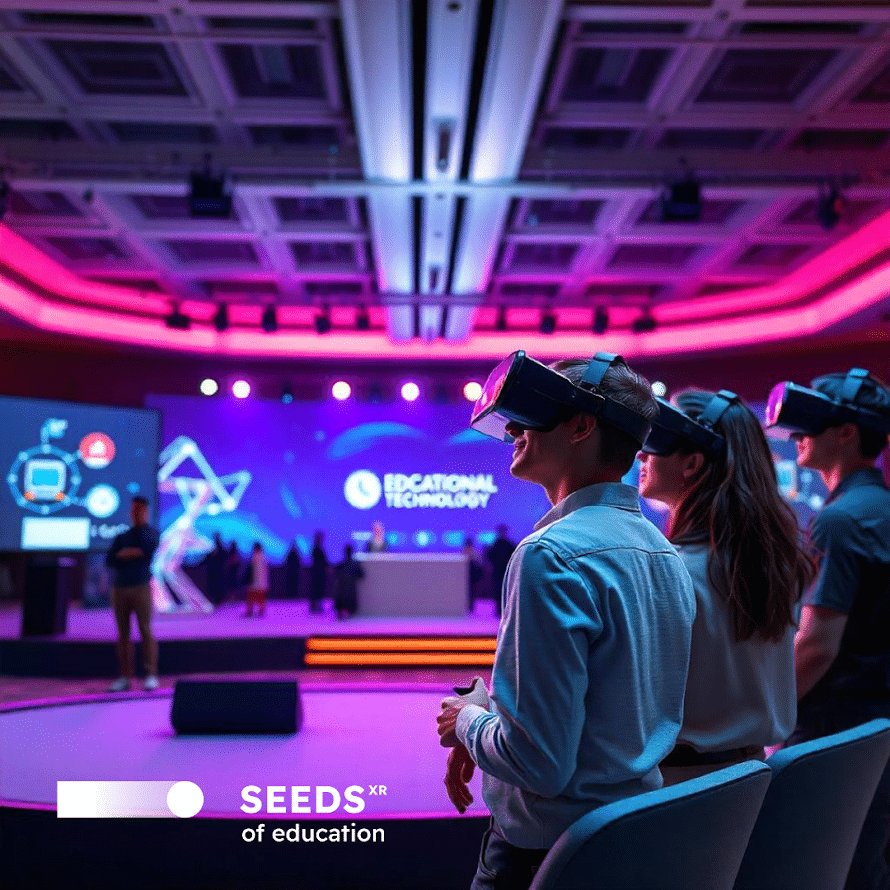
{"x":708,"y":460}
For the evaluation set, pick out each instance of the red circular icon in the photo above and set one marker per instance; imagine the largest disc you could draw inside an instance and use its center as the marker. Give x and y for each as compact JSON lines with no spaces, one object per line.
{"x":96,"y":450}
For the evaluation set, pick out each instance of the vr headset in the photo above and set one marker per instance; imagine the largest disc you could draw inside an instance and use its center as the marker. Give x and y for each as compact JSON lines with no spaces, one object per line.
{"x":808,"y":412}
{"x":523,"y":391}
{"x":672,"y":428}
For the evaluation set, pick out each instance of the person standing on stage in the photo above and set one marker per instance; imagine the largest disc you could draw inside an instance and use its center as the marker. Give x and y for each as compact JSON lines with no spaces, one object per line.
{"x":842,"y":649}
{"x":216,"y":571}
{"x":377,"y":541}
{"x":347,"y":575}
{"x":258,"y":582}
{"x":590,"y":667}
{"x":130,"y":556}
{"x":498,"y":556}
{"x":293,"y":572}
{"x":232,"y":573}
{"x":318,"y":573}
{"x":476,"y":571}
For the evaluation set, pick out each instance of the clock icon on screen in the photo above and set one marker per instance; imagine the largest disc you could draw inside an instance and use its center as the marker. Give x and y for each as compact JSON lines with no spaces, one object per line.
{"x":362,"y":489}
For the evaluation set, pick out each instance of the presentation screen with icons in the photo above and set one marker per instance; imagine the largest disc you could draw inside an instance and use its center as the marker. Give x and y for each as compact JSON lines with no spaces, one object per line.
{"x":70,"y":471}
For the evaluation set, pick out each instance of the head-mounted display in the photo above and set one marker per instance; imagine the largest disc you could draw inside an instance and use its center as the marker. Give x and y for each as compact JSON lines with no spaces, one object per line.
{"x":810,"y":412}
{"x":525,"y":392}
{"x":672,"y":428}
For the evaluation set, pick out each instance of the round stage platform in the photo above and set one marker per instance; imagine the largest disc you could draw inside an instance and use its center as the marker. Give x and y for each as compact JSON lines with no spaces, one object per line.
{"x":385,"y":819}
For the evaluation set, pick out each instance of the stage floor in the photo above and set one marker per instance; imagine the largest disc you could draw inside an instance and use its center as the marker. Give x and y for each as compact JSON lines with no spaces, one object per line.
{"x":283,"y":619}
{"x":363,"y":734}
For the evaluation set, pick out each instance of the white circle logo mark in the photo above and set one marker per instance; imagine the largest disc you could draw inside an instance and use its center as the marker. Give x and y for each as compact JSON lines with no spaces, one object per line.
{"x":362,"y":489}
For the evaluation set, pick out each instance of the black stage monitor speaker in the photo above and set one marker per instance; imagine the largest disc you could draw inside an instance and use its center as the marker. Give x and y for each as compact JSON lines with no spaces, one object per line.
{"x":236,"y":707}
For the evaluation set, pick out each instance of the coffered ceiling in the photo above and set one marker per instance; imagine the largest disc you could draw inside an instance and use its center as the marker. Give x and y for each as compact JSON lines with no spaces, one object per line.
{"x":436,"y":178}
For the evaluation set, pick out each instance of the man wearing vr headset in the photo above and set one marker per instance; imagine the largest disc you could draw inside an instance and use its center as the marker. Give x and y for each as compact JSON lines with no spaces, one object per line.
{"x":593,"y":648}
{"x":842,"y":649}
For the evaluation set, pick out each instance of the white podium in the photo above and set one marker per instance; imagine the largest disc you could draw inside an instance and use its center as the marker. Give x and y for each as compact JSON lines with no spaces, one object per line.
{"x":398,"y":585}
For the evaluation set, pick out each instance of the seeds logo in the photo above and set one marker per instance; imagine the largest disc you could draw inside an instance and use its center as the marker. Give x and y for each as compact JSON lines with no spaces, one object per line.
{"x":362,"y":489}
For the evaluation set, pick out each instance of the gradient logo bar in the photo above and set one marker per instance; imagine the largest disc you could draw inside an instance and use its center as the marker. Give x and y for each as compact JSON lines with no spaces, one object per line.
{"x":128,"y":800}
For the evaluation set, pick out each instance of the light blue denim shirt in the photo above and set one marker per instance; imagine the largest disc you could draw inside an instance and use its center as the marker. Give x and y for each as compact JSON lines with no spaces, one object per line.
{"x":590,"y":669}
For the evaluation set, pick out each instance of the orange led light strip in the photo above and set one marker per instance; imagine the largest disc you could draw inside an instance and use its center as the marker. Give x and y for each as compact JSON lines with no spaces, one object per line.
{"x":332,"y":644}
{"x":366,"y":658}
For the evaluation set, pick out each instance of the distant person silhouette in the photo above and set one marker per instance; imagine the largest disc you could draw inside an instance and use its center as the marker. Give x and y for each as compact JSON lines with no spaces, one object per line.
{"x":476,"y":571}
{"x":216,"y":571}
{"x":130,"y":556}
{"x":258,"y":581}
{"x":318,"y":573}
{"x":293,"y":569}
{"x":347,"y":574}
{"x":232,"y":573}
{"x":498,"y":555}
{"x":377,"y":541}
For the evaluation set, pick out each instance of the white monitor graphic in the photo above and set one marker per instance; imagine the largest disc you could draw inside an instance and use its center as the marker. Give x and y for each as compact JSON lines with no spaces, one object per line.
{"x":44,"y":479}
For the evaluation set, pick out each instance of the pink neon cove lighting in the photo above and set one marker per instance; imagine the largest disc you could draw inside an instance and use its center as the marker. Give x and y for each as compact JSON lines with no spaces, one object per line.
{"x":747,"y":317}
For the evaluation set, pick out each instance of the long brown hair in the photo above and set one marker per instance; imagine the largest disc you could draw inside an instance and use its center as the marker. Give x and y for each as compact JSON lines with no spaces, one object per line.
{"x":757,"y":559}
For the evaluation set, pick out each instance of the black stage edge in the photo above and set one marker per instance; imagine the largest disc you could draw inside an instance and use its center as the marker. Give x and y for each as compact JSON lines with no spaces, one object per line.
{"x":194,"y":854}
{"x":52,"y":657}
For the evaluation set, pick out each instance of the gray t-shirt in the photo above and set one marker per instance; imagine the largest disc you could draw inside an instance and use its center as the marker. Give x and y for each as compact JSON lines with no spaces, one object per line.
{"x":737,"y":694}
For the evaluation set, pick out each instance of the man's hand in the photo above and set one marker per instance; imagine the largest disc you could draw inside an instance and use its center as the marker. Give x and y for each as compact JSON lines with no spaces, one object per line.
{"x":460,"y":771}
{"x":447,"y":721}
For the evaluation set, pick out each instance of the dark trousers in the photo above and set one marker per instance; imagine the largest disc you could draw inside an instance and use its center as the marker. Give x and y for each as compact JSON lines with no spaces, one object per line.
{"x":127,"y":600}
{"x":503,"y":866}
{"x":869,"y":869}
{"x":317,"y":592}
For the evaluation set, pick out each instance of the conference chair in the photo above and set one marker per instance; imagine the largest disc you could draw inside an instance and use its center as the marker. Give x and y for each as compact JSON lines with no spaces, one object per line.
{"x":690,"y":835}
{"x":807,"y":830}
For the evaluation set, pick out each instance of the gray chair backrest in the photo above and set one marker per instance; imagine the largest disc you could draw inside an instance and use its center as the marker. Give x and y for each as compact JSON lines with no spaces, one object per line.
{"x":810,"y":822}
{"x":690,"y":835}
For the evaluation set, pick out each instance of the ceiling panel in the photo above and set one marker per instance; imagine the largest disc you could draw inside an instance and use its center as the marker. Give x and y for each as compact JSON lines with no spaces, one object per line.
{"x":451,"y":168}
{"x":119,"y":68}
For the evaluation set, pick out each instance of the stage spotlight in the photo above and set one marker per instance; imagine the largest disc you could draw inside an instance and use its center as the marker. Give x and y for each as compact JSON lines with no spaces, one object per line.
{"x":362,"y":319}
{"x":681,"y":202}
{"x":830,"y":207}
{"x":322,"y":323}
{"x":645,"y":324}
{"x":240,"y":389}
{"x":209,"y":387}
{"x":287,"y":394}
{"x":177,"y":319}
{"x":221,"y":319}
{"x":207,"y":197}
{"x":659,"y":389}
{"x":341,"y":390}
{"x":600,"y":320}
{"x":548,"y":323}
{"x":500,"y":323}
{"x":269,"y":321}
{"x":472,"y":391}
{"x":410,"y":391}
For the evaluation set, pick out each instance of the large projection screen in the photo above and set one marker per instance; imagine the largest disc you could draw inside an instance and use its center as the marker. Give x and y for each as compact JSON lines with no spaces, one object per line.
{"x":70,"y":471}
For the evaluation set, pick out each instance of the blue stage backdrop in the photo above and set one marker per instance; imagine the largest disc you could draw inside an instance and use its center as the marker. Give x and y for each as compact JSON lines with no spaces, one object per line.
{"x":338,"y":466}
